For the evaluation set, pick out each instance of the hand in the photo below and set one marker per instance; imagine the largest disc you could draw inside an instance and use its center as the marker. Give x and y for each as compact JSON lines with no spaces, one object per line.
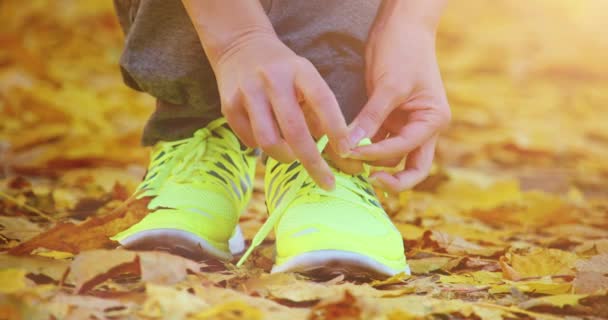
{"x":407,"y":107}
{"x":263,"y":86}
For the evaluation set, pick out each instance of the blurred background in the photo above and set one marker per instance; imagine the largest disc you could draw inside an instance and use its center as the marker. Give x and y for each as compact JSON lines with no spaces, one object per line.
{"x":527,"y":81}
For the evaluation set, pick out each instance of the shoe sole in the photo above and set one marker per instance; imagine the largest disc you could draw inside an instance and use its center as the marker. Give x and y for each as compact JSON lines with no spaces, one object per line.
{"x":184,"y":243}
{"x":325,"y":264}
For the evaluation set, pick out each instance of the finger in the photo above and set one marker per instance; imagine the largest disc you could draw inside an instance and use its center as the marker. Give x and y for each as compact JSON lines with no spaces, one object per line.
{"x":389,"y":163}
{"x":383,"y":101}
{"x":346,"y":165}
{"x":295,"y":131}
{"x":239,"y":123}
{"x":380,"y":135}
{"x":264,"y":126}
{"x":417,"y":168}
{"x":322,"y":101}
{"x":411,"y":137}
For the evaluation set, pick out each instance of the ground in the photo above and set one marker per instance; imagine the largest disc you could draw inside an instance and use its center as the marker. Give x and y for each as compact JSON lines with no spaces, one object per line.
{"x":512,"y":222}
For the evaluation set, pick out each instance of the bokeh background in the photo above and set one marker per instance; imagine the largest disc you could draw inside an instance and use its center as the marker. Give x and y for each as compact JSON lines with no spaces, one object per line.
{"x":512,"y":222}
{"x":527,"y":81}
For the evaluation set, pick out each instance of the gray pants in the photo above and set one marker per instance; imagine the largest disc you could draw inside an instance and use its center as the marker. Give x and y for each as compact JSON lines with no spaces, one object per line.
{"x":163,"y":56}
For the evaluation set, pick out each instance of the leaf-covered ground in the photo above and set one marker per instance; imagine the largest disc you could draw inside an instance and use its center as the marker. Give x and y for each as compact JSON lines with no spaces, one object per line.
{"x":512,"y":223}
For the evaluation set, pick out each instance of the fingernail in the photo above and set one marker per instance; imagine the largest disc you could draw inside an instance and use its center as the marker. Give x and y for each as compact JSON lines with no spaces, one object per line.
{"x":356,"y":135}
{"x":329,"y":183}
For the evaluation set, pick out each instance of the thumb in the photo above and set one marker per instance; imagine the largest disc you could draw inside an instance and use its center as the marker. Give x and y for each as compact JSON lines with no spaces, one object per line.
{"x":372,"y":116}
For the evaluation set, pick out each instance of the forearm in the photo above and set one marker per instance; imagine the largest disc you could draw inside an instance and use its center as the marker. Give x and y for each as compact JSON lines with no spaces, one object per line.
{"x":424,"y":15}
{"x":222,"y":24}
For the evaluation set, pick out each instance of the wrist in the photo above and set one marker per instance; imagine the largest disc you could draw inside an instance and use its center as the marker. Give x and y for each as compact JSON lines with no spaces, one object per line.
{"x":406,"y":15}
{"x":220,"y":49}
{"x":220,"y":24}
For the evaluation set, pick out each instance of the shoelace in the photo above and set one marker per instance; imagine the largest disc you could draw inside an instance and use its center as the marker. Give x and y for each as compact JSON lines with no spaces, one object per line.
{"x":189,"y":150}
{"x":290,"y":195}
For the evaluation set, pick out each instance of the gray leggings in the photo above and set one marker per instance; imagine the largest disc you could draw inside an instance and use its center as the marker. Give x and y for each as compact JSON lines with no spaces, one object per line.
{"x":163,"y":56}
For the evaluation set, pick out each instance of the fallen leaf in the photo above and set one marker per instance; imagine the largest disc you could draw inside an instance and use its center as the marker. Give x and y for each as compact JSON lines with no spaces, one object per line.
{"x":396,"y":279}
{"x":543,"y":285}
{"x":230,"y":310}
{"x":12,"y":280}
{"x":559,"y":301}
{"x":174,"y":268}
{"x":18,"y":229}
{"x":457,"y":245}
{"x":90,"y":268}
{"x":167,"y":302}
{"x":426,"y":265}
{"x":478,"y":278}
{"x":52,"y":268}
{"x":52,"y":253}
{"x":538,"y":262}
{"x":91,"y":234}
{"x":344,"y":308}
{"x":591,"y":275}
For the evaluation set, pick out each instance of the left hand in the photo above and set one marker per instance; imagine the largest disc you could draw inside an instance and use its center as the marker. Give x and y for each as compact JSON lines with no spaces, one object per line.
{"x":407,"y":107}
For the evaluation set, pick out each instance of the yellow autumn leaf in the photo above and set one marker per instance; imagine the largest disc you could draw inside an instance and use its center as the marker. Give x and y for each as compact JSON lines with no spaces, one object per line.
{"x":544,"y":286}
{"x":482,"y":278}
{"x":426,"y":265}
{"x":559,"y":300}
{"x":168,"y":302}
{"x":232,"y":310}
{"x":55,"y":254}
{"x":12,"y":280}
{"x":538,"y":262}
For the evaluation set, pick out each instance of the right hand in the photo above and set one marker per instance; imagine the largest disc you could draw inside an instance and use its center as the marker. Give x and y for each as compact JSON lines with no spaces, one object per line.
{"x":262,"y":85}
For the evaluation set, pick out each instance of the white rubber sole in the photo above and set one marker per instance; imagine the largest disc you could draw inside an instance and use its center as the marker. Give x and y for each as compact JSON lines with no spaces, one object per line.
{"x":327,"y":263}
{"x":184,"y":243}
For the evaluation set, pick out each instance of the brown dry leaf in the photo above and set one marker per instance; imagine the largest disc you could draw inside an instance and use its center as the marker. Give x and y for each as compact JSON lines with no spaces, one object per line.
{"x":93,"y":267}
{"x":457,"y":245}
{"x":174,"y":268}
{"x":344,"y":308}
{"x":94,"y":233}
{"x":537,"y":262}
{"x":16,"y":230}
{"x":90,"y":268}
{"x":592,"y":274}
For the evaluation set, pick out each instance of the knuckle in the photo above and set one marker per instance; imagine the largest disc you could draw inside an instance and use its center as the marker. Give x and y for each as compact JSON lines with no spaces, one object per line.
{"x":444,"y":117}
{"x":313,"y":161}
{"x":275,"y":72}
{"x":374,"y":115}
{"x":268,"y":142}
{"x":393,"y":86}
{"x":228,"y":101}
{"x":322,"y":96}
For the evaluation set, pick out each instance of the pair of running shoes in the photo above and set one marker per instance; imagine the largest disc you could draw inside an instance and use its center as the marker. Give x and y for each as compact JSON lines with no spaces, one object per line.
{"x":199,"y":186}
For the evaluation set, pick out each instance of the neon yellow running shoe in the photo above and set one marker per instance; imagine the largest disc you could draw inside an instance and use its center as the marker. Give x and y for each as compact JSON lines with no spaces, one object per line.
{"x":322,"y":233}
{"x":199,"y":187}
